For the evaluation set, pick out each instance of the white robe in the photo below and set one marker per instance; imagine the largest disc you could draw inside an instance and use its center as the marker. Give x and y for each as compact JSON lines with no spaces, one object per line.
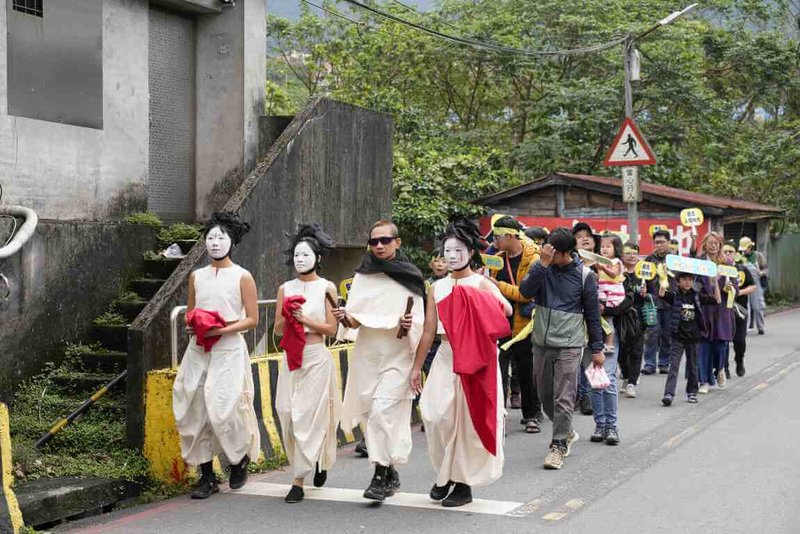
{"x":378,"y":394}
{"x":454,"y":447}
{"x":309,"y":407}
{"x":212,"y":400}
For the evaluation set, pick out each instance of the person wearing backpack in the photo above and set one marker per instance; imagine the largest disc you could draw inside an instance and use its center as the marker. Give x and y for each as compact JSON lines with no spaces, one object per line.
{"x":565,"y":292}
{"x":631,"y":327}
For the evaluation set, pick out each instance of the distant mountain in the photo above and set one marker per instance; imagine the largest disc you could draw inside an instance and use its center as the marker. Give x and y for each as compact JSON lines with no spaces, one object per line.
{"x":290,"y":9}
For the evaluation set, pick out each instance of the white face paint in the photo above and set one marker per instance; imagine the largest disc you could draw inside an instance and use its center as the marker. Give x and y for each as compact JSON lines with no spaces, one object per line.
{"x":305,"y":260}
{"x":456,"y":253}
{"x":218,"y":243}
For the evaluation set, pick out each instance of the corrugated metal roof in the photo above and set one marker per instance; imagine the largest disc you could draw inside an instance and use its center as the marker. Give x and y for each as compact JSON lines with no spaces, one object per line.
{"x":689,"y":197}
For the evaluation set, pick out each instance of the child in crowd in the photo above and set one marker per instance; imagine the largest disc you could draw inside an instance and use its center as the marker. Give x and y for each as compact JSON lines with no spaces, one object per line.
{"x":686,"y":328}
{"x":611,"y":291}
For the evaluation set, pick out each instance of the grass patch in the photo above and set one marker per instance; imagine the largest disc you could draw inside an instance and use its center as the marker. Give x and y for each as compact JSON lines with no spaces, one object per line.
{"x":110,"y":318}
{"x":144,"y":218}
{"x":179,"y":232}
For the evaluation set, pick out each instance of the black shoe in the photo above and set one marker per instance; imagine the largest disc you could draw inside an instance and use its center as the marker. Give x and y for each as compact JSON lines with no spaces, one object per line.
{"x":461,"y":495}
{"x":239,"y":473}
{"x":648,"y":371}
{"x":586,"y":406}
{"x":205,"y":488}
{"x":727,"y":373}
{"x":392,"y":481}
{"x":361,"y":448}
{"x":667,"y":400}
{"x":663,"y":370}
{"x":376,"y":490}
{"x":598,"y":435}
{"x":295,"y":494}
{"x":760,"y":332}
{"x":440,"y":492}
{"x":740,"y":370}
{"x":612,"y":436}
{"x":532,"y":426}
{"x":320,"y":477}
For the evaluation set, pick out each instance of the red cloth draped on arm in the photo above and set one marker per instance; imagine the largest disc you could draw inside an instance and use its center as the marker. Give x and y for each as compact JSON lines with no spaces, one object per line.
{"x":474,"y":320}
{"x":202,"y":321}
{"x":294,"y":334}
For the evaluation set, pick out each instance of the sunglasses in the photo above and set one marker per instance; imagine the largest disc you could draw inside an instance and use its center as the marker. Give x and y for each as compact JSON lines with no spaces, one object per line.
{"x":373,"y":242}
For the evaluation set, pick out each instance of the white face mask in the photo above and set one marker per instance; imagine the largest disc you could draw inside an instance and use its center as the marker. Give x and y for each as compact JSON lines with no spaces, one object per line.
{"x":218,"y":243}
{"x":305,"y":260}
{"x":456,"y":253}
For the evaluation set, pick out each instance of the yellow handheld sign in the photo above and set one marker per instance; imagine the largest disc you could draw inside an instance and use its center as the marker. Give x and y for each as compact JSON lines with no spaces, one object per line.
{"x":646,"y":270}
{"x":344,"y":287}
{"x":623,"y":236}
{"x":656,"y":227}
{"x":728,"y":271}
{"x":741,"y":278}
{"x":692,"y":217}
{"x":493,"y":263}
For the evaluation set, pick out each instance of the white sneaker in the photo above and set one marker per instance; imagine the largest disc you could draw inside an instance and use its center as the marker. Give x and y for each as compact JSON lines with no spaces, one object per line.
{"x":703,"y":389}
{"x":721,"y":380}
{"x":572,"y":438}
{"x":630,"y":391}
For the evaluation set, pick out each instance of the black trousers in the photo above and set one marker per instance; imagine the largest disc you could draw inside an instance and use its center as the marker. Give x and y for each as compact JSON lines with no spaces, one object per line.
{"x":740,"y":339}
{"x":522,"y":354}
{"x":631,"y":353}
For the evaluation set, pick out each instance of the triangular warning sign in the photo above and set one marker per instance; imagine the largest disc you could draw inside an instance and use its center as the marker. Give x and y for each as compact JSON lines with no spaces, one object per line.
{"x":629,"y":148}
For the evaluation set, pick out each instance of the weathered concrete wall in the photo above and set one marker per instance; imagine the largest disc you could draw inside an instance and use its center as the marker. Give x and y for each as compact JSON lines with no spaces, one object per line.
{"x":231,"y":77}
{"x":70,"y":172}
{"x":332,"y":165}
{"x":63,"y":278}
{"x":784,"y":275}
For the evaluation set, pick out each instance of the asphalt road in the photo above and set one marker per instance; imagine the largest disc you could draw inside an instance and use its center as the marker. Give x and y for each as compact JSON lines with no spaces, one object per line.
{"x":728,"y":464}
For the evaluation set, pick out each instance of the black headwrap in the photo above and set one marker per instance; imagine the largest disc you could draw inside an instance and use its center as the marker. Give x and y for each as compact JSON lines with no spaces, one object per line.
{"x":399,"y":269}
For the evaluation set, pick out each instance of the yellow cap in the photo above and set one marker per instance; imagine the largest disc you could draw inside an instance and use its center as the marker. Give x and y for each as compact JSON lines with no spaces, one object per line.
{"x":745,"y":243}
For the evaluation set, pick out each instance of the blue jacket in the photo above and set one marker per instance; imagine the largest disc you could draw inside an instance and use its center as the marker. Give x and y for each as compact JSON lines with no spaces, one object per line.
{"x":564,"y":301}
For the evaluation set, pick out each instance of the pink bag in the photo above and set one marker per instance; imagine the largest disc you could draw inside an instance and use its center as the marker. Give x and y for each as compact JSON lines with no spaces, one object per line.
{"x":597,"y":377}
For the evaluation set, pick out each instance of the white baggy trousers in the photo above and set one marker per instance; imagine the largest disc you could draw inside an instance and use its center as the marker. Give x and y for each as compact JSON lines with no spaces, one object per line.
{"x":212,"y":400}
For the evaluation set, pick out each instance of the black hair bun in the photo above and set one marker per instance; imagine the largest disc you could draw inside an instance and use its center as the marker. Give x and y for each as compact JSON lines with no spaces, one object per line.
{"x":313,"y":234}
{"x":234,"y":226}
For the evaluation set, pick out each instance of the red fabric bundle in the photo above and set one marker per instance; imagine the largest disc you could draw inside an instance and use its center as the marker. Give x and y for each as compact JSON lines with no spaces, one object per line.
{"x":294,"y":334}
{"x":202,"y":321}
{"x":474,"y":320}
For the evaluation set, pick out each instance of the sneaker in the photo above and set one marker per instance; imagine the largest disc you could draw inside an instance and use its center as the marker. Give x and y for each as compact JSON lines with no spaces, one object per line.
{"x":598,"y":435}
{"x":586,"y":406}
{"x":727,"y":373}
{"x":376,"y":490}
{"x":295,"y":494}
{"x":663,"y":370}
{"x":515,"y":401}
{"x":320,"y":477}
{"x":440,"y":492}
{"x":532,"y":426}
{"x":740,"y":370}
{"x":667,"y":400}
{"x":571,"y":438}
{"x":361,"y":448}
{"x":555,"y":457}
{"x":703,"y":389}
{"x":612,"y":436}
{"x":392,"y":481}
{"x":461,"y":495}
{"x":623,"y":384}
{"x":648,"y":371}
{"x":761,"y":332}
{"x":205,"y":488}
{"x":630,"y":391}
{"x":691,"y":398}
{"x":239,"y":473}
{"x":721,"y":380}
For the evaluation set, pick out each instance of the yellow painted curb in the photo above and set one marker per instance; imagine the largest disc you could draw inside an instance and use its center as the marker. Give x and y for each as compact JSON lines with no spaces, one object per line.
{"x":14,"y":514}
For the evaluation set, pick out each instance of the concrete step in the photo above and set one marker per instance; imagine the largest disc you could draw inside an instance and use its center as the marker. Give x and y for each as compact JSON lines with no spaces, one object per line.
{"x":146,"y":287}
{"x":161,"y":269}
{"x":104,"y":362}
{"x":48,"y":501}
{"x":83,"y":383}
{"x":112,"y":337}
{"x":130,"y":310}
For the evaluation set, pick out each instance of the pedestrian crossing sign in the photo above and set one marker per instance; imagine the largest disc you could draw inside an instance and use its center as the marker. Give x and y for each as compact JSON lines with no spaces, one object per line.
{"x":629,"y":148}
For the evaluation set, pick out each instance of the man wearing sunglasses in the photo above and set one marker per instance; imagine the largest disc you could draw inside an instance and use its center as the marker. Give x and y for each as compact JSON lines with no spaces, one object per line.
{"x":378,"y":394}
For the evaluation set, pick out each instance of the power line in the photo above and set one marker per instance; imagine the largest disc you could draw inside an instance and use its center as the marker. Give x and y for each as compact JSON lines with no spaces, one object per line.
{"x":483,"y":45}
{"x":439,"y":18}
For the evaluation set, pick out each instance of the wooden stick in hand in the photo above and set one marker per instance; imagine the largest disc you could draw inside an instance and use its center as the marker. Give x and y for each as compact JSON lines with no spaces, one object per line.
{"x":344,"y":320}
{"x":402,"y":332}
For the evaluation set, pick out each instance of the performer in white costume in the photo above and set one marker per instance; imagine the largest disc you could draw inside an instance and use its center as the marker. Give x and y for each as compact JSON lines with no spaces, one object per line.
{"x":378,"y":394}
{"x":308,"y":401}
{"x":459,"y":457}
{"x":212,"y":398}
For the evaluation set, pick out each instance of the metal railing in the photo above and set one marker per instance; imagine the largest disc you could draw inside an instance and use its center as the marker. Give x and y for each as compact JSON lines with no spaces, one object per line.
{"x":263,"y":328}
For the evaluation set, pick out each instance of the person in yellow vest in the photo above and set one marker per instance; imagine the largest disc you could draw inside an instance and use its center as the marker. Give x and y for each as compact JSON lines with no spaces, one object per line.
{"x":518,"y":253}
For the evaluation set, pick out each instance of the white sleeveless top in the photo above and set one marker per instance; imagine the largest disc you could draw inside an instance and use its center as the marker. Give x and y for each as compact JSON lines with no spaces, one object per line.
{"x":314,"y":292}
{"x":444,"y":286}
{"x":219,"y":290}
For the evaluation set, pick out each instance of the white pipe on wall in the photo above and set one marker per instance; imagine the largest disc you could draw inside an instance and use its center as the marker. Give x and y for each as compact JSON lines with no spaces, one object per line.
{"x":23,"y":233}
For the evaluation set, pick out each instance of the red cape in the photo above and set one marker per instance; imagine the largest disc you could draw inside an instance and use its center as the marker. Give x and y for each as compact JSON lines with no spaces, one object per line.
{"x":202,"y":321}
{"x":474,"y":320}
{"x":294,"y":335}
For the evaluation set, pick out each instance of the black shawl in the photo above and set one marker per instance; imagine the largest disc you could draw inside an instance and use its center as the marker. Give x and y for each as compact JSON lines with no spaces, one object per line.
{"x":399,"y":269}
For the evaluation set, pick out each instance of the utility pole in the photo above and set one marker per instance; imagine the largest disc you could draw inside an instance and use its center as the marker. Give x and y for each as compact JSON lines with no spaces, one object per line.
{"x":633,"y":207}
